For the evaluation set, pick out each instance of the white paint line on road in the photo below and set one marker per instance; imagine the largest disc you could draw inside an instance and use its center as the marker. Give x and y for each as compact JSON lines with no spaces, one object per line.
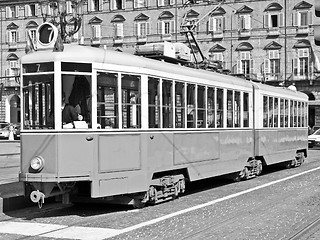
{"x":153,"y":221}
{"x":88,"y":233}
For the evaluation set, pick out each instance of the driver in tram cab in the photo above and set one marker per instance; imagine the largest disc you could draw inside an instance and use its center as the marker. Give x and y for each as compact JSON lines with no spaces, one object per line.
{"x":69,"y":113}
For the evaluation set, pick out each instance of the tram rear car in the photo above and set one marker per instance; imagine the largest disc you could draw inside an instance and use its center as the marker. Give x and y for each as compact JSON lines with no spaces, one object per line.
{"x":148,"y":126}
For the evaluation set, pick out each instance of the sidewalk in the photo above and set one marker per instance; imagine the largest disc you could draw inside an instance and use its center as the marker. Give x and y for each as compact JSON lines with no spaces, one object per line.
{"x":11,"y":190}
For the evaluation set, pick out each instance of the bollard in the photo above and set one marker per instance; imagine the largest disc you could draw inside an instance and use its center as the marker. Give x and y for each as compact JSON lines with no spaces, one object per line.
{"x":11,"y":137}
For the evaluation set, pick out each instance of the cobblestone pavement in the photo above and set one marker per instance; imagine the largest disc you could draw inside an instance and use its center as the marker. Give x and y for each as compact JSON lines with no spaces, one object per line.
{"x":276,"y":212}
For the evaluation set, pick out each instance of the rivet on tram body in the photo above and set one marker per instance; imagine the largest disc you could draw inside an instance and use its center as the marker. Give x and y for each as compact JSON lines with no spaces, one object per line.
{"x":151,"y":137}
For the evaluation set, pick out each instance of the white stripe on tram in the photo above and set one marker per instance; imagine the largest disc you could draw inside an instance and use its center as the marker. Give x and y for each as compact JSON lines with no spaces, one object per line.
{"x":88,"y":233}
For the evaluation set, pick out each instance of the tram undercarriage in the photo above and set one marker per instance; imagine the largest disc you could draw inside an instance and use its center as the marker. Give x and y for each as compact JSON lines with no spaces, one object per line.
{"x":161,"y":189}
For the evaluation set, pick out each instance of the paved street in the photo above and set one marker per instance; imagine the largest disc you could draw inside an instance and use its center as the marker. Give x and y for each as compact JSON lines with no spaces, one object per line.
{"x":276,"y":205}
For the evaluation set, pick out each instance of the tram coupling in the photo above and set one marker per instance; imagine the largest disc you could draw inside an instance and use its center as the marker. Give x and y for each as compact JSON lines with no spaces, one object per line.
{"x":37,"y":197}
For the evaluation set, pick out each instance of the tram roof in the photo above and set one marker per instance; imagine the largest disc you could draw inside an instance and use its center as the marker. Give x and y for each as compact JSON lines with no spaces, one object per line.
{"x":86,"y":54}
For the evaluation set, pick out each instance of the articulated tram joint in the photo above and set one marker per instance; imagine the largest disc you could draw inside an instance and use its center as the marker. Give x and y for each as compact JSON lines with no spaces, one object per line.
{"x":37,"y":197}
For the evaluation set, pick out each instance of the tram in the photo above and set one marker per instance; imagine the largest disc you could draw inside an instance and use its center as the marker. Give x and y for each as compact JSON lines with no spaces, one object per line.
{"x":147,"y":126}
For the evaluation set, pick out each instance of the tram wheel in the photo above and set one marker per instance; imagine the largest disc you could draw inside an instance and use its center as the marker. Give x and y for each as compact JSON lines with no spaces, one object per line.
{"x":259,"y":168}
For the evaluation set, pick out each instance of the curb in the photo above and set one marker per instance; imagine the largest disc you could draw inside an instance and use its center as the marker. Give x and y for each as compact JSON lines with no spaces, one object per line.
{"x":14,"y":203}
{"x":12,"y":197}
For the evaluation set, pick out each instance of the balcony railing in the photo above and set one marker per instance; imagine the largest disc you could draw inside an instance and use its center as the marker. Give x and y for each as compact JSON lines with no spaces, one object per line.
{"x":273,"y":32}
{"x":244,"y":32}
{"x":302,"y":30}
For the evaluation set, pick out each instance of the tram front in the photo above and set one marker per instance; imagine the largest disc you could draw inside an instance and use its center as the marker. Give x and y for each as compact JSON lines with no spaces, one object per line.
{"x":55,"y":154}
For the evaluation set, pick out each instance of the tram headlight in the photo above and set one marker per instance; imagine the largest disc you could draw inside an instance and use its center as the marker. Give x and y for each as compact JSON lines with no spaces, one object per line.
{"x":37,"y":163}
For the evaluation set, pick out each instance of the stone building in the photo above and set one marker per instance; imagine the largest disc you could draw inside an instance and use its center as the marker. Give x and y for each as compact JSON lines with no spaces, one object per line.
{"x":263,"y":40}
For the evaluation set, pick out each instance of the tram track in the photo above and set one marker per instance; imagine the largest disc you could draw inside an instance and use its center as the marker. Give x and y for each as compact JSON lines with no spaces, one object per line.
{"x":306,"y":230}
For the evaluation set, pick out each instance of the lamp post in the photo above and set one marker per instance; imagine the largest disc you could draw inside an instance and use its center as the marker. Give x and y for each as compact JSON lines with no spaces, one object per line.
{"x":66,"y":16}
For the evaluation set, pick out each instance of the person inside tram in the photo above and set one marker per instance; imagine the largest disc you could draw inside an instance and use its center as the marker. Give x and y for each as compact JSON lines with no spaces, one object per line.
{"x":69,"y":113}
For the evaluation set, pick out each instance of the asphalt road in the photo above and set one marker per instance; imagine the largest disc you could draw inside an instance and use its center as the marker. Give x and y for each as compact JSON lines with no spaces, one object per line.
{"x":276,"y":205}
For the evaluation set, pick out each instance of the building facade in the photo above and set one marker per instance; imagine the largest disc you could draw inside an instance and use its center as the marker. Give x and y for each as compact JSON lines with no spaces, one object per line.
{"x":264,"y":40}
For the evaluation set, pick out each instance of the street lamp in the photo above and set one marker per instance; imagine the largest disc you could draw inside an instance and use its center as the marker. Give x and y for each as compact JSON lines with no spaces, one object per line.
{"x":66,"y":15}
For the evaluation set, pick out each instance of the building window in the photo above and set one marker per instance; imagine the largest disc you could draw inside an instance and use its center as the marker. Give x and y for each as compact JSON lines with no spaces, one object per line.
{"x":12,"y":37}
{"x":302,"y":18}
{"x":118,"y":30}
{"x":272,"y":65}
{"x":142,"y":29}
{"x":11,"y":11}
{"x":30,"y":10}
{"x":273,"y":20}
{"x":118,"y":4}
{"x":96,"y":32}
{"x":216,"y":24}
{"x":162,"y":3}
{"x":32,"y":34}
{"x":12,"y":65}
{"x":245,"y":22}
{"x":301,"y":63}
{"x":245,"y":63}
{"x":217,"y":57}
{"x":140,"y":3}
{"x":95,"y":5}
{"x":166,"y":27}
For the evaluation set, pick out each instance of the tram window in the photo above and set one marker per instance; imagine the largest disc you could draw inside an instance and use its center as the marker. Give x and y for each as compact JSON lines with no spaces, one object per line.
{"x":286,"y":113}
{"x":38,"y":67}
{"x":305,"y":115}
{"x":77,"y":91}
{"x":38,"y":95}
{"x":180,"y":105}
{"x":131,"y":106}
{"x":276,"y":112}
{"x":230,"y":108}
{"x":201,"y":121}
{"x":154,"y":102}
{"x":167,"y":110}
{"x":210,"y":107}
{"x":295,"y":115}
{"x":237,"y":112}
{"x":245,"y":109}
{"x":281,"y":112}
{"x":191,"y":118}
{"x":219,"y":120}
{"x":76,"y":67}
{"x":299,"y":115}
{"x":265,"y":111}
{"x":107,"y":100}
{"x":271,"y":112}
{"x":291,"y":113}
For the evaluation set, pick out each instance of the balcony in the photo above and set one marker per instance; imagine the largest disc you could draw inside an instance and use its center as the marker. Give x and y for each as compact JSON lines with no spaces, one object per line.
{"x":268,"y":77}
{"x":142,"y":39}
{"x":244,"y":33}
{"x":217,"y":34}
{"x":166,"y":37}
{"x":273,"y":32}
{"x":118,"y":40}
{"x":12,"y":45}
{"x":302,"y":30}
{"x":95,"y":40}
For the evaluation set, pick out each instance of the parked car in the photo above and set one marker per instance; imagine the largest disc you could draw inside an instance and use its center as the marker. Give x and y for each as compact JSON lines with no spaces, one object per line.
{"x":314,"y":139}
{"x":3,"y":124}
{"x":5,"y":130}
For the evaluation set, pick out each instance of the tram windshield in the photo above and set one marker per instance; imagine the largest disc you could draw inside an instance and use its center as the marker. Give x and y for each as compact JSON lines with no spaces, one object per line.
{"x":39,"y":101}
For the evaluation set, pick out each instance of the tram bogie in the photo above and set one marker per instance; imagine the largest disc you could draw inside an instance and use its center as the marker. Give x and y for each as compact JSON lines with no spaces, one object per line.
{"x":146,"y":127}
